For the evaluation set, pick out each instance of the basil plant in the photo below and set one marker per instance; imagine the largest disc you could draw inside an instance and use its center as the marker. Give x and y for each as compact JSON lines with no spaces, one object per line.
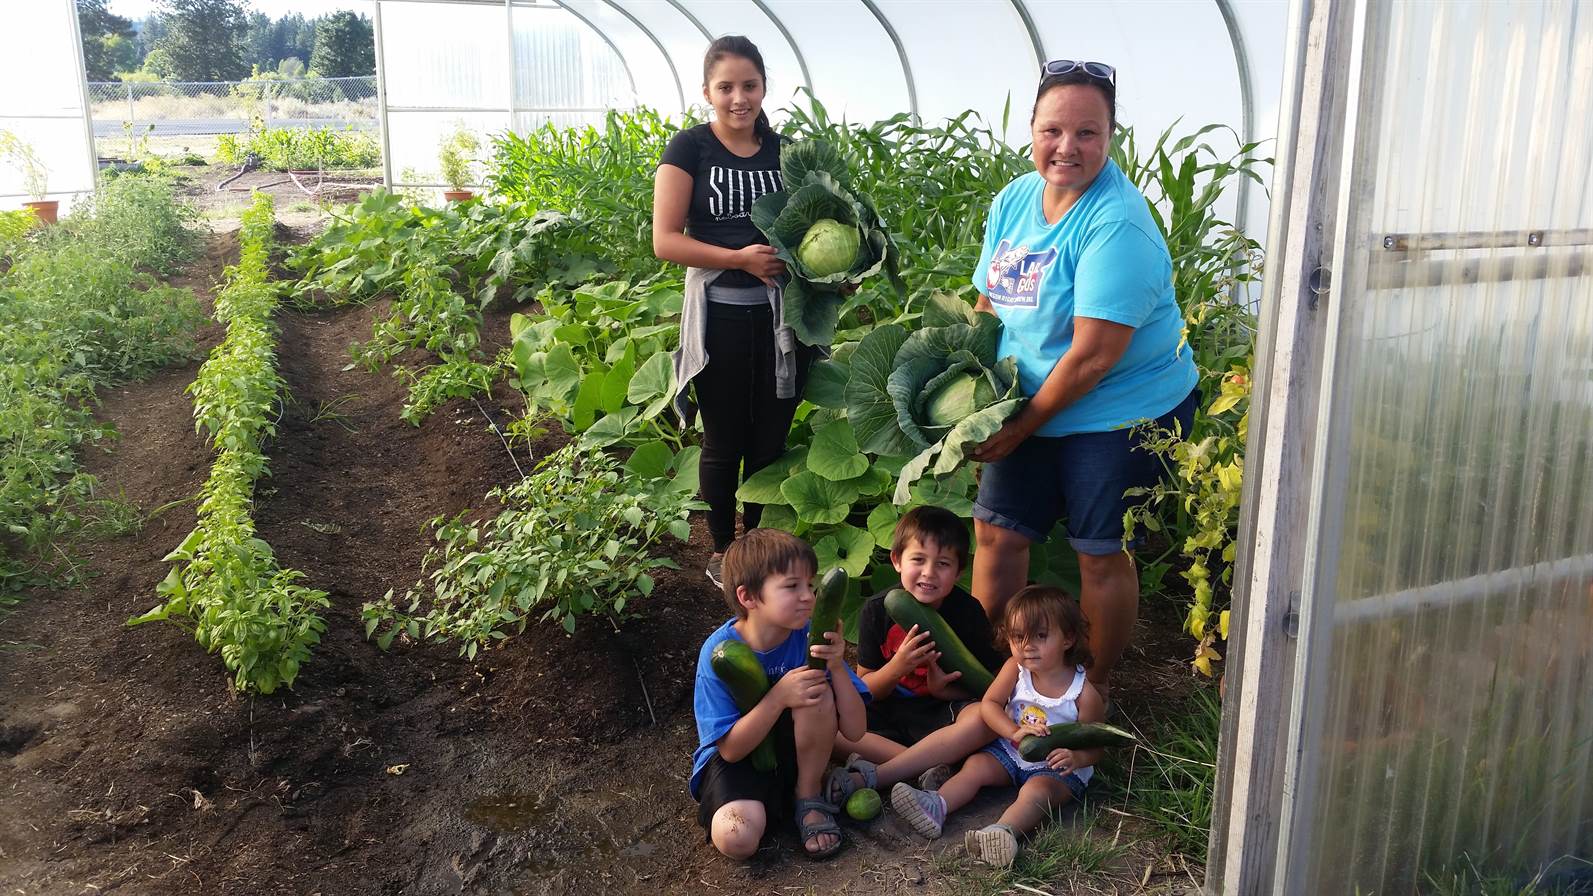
{"x":827,"y":233}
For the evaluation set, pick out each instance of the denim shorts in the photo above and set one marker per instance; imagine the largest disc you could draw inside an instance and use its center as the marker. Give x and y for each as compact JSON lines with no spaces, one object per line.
{"x":1080,"y":478}
{"x":1020,"y":775}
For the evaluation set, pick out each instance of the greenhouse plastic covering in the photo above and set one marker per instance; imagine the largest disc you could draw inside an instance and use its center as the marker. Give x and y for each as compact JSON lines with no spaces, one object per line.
{"x":42,"y":100}
{"x":451,"y":64}
{"x":1442,"y":718}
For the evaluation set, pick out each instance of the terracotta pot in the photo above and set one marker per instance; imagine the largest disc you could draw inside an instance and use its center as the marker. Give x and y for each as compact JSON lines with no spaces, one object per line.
{"x":44,"y":210}
{"x":457,"y":195}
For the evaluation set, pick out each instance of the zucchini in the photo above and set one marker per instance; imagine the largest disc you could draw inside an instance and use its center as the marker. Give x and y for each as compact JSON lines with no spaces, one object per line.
{"x":736,"y":666}
{"x":826,"y":611}
{"x":1073,"y":736}
{"x":954,"y":655}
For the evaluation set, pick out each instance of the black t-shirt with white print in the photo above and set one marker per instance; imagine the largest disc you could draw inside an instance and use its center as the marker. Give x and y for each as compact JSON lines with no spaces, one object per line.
{"x":724,"y":186}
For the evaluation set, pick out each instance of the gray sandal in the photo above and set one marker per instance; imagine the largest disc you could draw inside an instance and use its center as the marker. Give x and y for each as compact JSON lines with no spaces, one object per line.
{"x":839,"y":785}
{"x":827,"y":826}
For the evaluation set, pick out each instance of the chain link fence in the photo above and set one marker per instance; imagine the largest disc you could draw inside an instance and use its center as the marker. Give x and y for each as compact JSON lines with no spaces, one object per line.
{"x":170,"y":108}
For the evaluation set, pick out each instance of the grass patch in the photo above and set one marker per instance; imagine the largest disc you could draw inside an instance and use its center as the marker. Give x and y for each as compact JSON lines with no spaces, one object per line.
{"x":1060,"y":854}
{"x":1168,"y":781}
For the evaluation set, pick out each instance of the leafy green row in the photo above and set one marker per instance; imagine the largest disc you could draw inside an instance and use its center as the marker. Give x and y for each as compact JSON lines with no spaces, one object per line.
{"x":285,"y":149}
{"x":225,"y":581}
{"x":442,"y":267}
{"x":78,"y":311}
{"x":576,"y":537}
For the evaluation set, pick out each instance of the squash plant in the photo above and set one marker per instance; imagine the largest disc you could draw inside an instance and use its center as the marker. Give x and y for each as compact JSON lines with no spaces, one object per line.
{"x":598,"y":360}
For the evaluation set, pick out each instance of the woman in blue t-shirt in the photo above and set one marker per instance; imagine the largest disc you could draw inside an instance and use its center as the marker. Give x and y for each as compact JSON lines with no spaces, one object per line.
{"x":744,"y":365}
{"x":1081,"y":278}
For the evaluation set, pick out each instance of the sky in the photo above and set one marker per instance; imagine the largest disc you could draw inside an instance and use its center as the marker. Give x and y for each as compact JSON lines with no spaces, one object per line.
{"x":276,"y":9}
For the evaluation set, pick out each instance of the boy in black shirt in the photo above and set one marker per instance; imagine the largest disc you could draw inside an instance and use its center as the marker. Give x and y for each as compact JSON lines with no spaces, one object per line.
{"x":916,"y":703}
{"x":913,"y":696}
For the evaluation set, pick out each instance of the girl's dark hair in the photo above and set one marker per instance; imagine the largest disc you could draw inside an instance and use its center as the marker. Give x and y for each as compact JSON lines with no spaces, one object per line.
{"x":737,"y":45}
{"x":1077,"y":76}
{"x":1047,"y":608}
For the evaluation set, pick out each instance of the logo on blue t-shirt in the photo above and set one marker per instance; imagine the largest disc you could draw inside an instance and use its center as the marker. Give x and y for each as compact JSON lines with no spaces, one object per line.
{"x":1015,"y":275}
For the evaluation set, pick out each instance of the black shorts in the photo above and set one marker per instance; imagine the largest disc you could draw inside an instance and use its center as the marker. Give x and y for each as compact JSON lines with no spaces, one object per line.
{"x":908,"y":720}
{"x":725,"y":782}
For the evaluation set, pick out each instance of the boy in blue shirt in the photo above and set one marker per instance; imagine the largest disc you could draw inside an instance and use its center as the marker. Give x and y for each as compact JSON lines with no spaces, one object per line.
{"x":768,"y":583}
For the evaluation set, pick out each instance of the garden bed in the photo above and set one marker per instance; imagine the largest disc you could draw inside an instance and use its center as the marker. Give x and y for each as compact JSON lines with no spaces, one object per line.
{"x":552,"y":764}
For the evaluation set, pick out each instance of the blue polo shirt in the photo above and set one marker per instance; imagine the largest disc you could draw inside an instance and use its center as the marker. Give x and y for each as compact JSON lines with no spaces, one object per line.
{"x":1104,"y":259}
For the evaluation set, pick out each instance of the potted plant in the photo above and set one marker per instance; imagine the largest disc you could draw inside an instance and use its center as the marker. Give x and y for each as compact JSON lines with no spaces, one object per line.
{"x":35,"y":176}
{"x":455,"y":156}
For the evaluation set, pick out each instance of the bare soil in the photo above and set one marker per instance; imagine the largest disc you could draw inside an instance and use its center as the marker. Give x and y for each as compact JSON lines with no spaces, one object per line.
{"x":303,"y":201}
{"x":553,"y":765}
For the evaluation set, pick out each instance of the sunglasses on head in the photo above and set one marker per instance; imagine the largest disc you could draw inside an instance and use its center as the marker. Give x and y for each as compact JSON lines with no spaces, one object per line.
{"x":1094,"y":69}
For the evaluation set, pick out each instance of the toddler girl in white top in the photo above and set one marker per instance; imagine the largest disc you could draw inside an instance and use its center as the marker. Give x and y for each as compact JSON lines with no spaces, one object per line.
{"x":1042,"y":684}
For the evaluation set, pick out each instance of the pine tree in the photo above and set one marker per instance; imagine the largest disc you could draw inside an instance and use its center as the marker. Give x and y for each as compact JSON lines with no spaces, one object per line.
{"x":104,"y":37}
{"x":345,"y":45}
{"x":204,"y":39}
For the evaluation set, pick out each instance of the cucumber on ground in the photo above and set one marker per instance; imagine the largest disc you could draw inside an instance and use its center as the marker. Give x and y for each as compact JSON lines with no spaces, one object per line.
{"x":826,"y":611}
{"x":1073,"y":736}
{"x":954,"y":655}
{"x":736,"y":666}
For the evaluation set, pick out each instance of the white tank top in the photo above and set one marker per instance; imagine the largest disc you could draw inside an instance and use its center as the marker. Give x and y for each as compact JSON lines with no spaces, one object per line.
{"x":1028,"y":704}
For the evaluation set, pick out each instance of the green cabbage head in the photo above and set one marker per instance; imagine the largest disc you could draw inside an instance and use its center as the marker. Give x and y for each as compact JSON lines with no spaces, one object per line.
{"x":828,"y":234}
{"x":829,"y":247}
{"x":932,"y":395}
{"x":960,"y":396}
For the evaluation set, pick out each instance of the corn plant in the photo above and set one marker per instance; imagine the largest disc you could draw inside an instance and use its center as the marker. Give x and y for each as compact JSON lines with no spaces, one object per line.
{"x":602,"y":176}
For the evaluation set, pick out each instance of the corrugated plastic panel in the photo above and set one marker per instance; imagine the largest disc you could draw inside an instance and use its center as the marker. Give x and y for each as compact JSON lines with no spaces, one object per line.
{"x":442,"y":54}
{"x":658,"y":83}
{"x":1447,"y":710}
{"x":938,"y":53}
{"x":561,"y":64}
{"x":43,"y":99}
{"x":780,"y":56}
{"x":416,"y":138}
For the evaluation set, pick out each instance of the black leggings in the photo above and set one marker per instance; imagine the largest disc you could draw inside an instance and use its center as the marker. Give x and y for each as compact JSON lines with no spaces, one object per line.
{"x":744,"y":424}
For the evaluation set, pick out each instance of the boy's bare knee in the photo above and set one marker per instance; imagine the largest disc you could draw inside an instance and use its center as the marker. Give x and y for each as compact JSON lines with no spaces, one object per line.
{"x":738,"y":828}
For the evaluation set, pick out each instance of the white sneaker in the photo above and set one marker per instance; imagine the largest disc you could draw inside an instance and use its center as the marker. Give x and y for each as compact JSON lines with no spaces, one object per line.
{"x":993,"y":844}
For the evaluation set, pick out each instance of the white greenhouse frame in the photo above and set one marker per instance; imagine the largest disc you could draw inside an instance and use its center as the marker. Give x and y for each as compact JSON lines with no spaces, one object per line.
{"x":894,"y":58}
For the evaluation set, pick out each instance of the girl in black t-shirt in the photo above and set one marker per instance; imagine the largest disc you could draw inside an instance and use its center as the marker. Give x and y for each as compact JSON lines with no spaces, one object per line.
{"x":745,"y":367}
